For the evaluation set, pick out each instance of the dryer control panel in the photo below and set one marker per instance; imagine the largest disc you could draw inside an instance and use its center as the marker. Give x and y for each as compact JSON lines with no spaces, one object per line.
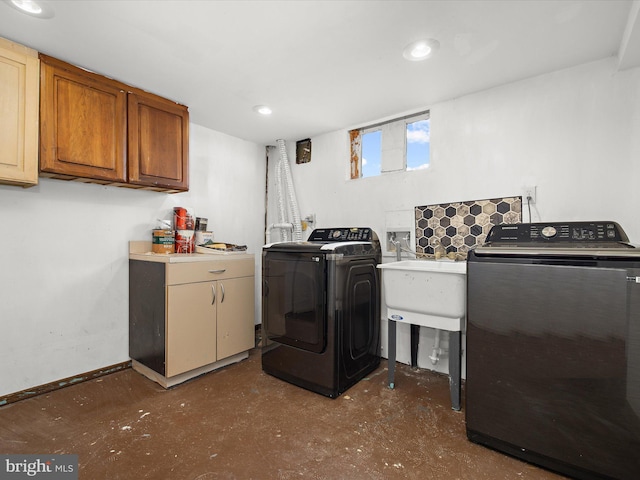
{"x":342,"y":234}
{"x":566,"y":232}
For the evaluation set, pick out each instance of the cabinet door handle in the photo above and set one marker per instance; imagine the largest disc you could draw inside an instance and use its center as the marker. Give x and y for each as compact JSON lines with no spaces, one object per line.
{"x":213,"y":294}
{"x":222,"y":270}
{"x":222,"y":288}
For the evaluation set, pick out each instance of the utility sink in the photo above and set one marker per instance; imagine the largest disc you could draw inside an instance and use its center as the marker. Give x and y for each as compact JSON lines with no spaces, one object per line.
{"x":431,"y":293}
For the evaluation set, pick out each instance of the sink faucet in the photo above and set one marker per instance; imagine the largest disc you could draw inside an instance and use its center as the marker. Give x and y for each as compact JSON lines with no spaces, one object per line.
{"x":397,"y":244}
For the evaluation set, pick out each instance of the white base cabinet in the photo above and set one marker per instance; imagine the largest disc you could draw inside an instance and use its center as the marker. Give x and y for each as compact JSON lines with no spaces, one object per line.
{"x":189,"y":314}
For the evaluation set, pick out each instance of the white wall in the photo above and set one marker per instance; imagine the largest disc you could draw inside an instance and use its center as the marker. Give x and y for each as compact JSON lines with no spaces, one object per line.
{"x":63,"y":245}
{"x":64,"y":256}
{"x":575,"y":134}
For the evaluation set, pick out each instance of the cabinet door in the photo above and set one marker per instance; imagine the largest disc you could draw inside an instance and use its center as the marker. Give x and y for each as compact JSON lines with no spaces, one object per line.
{"x":19,"y":91}
{"x":158,"y":142}
{"x":83,"y":123}
{"x":236,"y":329}
{"x":191,"y":326}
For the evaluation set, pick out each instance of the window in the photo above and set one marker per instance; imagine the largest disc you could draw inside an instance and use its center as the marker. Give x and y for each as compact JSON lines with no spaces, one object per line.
{"x":371,"y":153}
{"x":398,"y":145}
{"x":418,"y":143}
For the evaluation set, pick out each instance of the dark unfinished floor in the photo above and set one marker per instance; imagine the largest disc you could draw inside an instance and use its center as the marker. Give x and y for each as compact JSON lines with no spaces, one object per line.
{"x":239,"y":423}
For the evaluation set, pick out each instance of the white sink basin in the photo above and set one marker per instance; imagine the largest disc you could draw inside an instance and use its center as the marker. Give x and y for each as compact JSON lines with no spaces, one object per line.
{"x":431,"y":293}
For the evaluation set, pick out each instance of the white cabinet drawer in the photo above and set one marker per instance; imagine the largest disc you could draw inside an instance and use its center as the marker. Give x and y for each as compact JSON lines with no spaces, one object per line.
{"x":191,"y":272}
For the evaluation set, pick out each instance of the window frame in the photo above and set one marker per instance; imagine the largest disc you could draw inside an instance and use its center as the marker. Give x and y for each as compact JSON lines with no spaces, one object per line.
{"x":393,"y":161}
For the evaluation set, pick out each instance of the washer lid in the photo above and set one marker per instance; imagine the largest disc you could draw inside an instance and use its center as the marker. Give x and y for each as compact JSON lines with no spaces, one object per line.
{"x":335,"y":246}
{"x":353,"y":241}
{"x":619,"y":251}
{"x":293,"y":247}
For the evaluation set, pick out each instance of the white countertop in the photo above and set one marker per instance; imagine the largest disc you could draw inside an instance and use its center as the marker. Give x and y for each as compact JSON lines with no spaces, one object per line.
{"x":141,"y":250}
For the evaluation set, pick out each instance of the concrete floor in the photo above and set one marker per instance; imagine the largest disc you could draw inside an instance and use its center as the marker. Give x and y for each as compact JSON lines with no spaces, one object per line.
{"x":239,"y":423}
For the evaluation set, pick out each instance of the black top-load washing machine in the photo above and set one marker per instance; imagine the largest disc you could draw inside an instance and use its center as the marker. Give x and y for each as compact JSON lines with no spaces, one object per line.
{"x":321,"y":309}
{"x":553,"y":347}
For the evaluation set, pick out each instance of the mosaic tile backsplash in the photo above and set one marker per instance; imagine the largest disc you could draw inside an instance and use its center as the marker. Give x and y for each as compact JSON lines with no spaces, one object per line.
{"x":461,"y":226}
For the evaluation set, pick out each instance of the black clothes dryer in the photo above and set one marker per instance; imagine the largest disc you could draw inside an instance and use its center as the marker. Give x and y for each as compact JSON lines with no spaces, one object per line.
{"x":321,"y":309}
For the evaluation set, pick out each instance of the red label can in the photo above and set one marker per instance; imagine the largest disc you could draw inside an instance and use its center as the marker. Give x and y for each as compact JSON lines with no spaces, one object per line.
{"x":179,"y":218}
{"x":185,"y":241}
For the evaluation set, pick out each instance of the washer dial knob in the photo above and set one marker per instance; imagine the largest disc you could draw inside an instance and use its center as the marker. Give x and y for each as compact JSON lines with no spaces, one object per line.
{"x":549,"y":232}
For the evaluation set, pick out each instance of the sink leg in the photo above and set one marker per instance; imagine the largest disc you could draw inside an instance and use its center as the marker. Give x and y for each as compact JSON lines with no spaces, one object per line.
{"x":391,"y":337}
{"x":455,"y":368}
{"x":415,"y":340}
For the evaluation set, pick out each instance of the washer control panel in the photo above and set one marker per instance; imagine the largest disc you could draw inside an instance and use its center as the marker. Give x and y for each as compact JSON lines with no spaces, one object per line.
{"x":351,"y":234}
{"x":575,"y":232}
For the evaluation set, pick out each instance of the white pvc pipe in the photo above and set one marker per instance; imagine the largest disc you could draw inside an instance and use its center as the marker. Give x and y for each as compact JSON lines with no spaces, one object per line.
{"x":291,"y":193}
{"x":435,"y":355}
{"x":281,"y":226}
{"x":282,"y":214}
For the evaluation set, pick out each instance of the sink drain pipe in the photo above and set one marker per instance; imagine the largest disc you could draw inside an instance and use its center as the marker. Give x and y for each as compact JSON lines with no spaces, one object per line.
{"x":435,"y":354}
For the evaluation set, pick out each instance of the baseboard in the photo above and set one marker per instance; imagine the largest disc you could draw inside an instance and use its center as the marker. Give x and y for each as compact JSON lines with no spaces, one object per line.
{"x":65,"y":382}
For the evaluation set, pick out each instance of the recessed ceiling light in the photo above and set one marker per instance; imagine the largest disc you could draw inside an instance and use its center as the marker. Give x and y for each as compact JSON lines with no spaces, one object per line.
{"x":262,"y":110}
{"x":31,"y":7}
{"x":420,"y":50}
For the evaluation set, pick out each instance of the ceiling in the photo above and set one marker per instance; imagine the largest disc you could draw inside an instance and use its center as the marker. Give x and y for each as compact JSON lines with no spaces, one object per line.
{"x":323,"y":65}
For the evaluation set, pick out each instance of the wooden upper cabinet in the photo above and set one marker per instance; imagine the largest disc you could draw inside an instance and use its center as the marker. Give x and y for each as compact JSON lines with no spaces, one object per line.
{"x":100,"y":130}
{"x":158,"y":142}
{"x":83,"y":123}
{"x":19,"y":92}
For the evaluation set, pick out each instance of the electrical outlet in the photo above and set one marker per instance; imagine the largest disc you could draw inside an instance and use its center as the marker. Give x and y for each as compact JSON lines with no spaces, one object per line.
{"x":529,"y":194}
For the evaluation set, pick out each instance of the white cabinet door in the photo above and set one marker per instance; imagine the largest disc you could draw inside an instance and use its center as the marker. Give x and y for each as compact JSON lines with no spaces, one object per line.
{"x":19,"y":109}
{"x":236,"y":330}
{"x":191,"y":326}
